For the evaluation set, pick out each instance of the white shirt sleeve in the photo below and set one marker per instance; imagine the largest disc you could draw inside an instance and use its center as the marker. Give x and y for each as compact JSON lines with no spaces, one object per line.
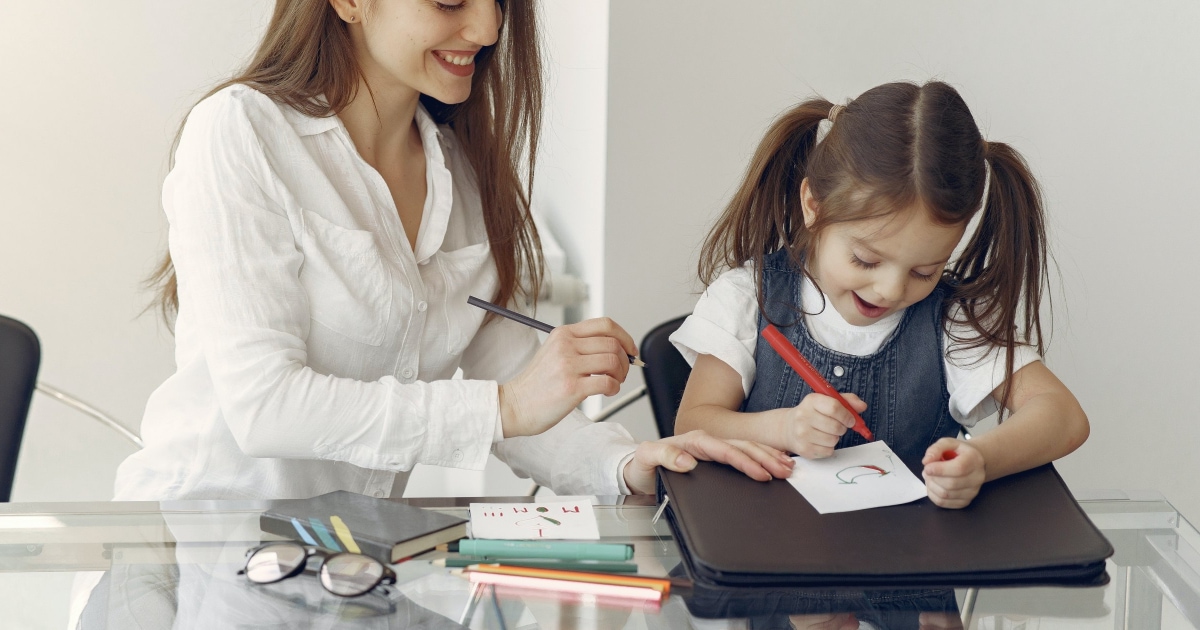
{"x":724,"y":324}
{"x":973,"y":374}
{"x":238,"y":267}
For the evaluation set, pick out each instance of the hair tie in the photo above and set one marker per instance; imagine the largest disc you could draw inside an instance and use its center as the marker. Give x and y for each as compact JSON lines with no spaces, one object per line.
{"x":834,"y":111}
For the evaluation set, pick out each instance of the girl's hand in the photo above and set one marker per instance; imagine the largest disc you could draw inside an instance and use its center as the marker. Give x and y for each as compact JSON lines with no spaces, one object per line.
{"x":576,"y":361}
{"x":812,"y":428}
{"x":680,"y":452}
{"x":954,"y":482}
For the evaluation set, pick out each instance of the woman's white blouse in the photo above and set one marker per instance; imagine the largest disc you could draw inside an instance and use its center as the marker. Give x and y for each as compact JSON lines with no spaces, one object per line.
{"x":314,"y":348}
{"x":725,"y":325}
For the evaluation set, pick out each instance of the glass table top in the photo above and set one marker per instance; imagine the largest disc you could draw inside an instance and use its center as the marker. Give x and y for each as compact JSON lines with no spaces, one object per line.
{"x":174,"y":565}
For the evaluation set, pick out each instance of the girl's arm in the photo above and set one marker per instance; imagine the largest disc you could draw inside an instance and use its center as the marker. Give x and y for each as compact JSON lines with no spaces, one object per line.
{"x":714,"y":395}
{"x":1047,"y":423}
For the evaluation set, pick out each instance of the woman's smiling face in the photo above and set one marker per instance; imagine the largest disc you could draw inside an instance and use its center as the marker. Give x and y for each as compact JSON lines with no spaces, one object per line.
{"x":427,"y":46}
{"x":874,"y":267}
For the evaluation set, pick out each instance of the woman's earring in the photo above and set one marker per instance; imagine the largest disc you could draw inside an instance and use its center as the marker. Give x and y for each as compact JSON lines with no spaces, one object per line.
{"x":352,"y":18}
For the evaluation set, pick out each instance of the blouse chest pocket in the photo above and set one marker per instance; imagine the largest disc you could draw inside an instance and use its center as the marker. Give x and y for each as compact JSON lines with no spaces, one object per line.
{"x":348,"y":287}
{"x":463,"y":273}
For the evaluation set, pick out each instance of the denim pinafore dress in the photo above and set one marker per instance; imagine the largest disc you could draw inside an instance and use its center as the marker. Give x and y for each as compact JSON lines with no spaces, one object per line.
{"x":903,"y":382}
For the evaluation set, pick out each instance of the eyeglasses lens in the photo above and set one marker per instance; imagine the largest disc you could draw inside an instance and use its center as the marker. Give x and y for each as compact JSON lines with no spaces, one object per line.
{"x":349,"y":574}
{"x":273,"y":563}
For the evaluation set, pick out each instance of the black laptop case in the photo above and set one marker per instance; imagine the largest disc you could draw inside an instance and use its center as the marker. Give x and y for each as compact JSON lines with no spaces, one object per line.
{"x":1024,"y":529}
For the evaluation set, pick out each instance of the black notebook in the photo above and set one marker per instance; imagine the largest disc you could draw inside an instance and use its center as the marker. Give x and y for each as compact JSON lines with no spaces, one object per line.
{"x":387,"y":530}
{"x":1024,"y":529}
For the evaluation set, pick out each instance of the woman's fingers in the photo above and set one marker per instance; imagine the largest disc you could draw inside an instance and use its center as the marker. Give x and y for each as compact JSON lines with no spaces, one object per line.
{"x":776,"y":462}
{"x":603,"y":327}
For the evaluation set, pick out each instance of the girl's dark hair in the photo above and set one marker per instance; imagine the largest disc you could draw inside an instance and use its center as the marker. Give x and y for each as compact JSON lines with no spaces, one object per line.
{"x":306,"y":61}
{"x":894,"y":146}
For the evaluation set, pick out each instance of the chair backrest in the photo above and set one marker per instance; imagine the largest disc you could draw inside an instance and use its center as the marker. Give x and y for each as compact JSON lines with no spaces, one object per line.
{"x":666,"y":374}
{"x":20,"y":356}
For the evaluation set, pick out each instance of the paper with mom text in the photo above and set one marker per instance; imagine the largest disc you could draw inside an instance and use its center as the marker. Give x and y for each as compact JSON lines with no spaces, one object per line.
{"x":564,"y":518}
{"x":856,"y":478}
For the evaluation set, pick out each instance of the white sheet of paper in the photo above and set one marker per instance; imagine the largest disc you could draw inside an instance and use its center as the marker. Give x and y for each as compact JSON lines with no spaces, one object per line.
{"x":566,"y":518}
{"x":856,"y":478}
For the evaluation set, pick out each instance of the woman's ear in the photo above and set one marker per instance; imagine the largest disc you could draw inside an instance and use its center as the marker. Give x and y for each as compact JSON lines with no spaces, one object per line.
{"x":348,"y":10}
{"x":808,"y":204}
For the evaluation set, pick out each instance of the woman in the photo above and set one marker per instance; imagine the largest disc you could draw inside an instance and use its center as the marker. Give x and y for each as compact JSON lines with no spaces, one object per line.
{"x":330,"y":211}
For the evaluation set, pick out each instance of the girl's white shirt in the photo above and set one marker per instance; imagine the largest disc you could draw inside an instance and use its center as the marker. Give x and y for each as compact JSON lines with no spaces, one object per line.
{"x":314,"y":348}
{"x":725,"y":325}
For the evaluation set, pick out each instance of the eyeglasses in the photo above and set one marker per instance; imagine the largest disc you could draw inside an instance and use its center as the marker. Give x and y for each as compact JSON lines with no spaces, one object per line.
{"x":343,"y":574}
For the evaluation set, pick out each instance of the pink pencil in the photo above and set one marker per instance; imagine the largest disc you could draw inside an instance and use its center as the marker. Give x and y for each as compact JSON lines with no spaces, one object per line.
{"x":565,"y":586}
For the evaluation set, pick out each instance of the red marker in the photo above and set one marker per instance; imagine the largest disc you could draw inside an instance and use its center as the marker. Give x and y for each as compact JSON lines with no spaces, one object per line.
{"x":810,"y":374}
{"x":949,"y":455}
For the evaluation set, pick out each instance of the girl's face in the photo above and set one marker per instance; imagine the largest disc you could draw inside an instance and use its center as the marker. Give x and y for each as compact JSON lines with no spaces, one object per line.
{"x":423,"y":45}
{"x":872,"y":268}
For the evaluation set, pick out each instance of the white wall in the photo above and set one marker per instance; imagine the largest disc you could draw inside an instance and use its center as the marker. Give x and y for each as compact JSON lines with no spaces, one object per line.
{"x":1100,"y":97}
{"x":93,"y":96}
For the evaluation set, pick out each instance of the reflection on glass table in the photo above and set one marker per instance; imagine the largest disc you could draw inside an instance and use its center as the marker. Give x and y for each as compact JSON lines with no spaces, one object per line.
{"x":175,"y":565}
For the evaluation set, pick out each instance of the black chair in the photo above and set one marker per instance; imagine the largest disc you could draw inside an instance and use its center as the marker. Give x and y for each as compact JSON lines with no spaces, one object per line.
{"x":20,"y":356}
{"x":666,"y":374}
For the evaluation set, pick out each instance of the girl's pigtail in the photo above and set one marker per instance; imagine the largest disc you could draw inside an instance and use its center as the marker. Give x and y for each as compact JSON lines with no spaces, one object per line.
{"x":1003,"y":270}
{"x":764,"y":215}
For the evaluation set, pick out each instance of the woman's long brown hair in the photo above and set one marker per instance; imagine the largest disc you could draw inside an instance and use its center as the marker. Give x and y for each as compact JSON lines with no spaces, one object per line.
{"x":894,"y":146}
{"x":306,"y":61}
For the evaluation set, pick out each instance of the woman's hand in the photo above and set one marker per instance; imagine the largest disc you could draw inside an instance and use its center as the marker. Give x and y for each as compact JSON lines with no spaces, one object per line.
{"x":576,"y":361}
{"x":812,"y":428}
{"x":953,"y":483}
{"x":680,"y":452}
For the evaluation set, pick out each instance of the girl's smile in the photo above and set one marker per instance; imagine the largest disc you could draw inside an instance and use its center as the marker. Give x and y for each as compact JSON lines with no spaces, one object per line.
{"x":867,"y":309}
{"x":872,"y":268}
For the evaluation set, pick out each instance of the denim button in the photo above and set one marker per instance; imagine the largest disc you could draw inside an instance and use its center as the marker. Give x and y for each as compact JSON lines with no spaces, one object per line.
{"x":839,"y":370}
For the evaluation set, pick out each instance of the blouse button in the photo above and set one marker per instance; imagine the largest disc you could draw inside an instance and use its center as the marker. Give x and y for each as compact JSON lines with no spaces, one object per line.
{"x":838,"y":370}
{"x":378,"y":494}
{"x":407,"y":373}
{"x":458,"y":455}
{"x":421,"y":306}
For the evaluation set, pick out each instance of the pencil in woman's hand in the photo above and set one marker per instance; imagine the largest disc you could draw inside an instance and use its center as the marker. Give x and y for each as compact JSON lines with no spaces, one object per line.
{"x":528,"y":321}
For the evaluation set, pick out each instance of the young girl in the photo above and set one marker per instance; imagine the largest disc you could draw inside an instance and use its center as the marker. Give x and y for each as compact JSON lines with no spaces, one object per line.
{"x":847,"y":244}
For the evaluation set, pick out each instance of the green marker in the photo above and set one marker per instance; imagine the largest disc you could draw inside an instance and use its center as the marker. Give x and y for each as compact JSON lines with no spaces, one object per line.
{"x":544,"y":549}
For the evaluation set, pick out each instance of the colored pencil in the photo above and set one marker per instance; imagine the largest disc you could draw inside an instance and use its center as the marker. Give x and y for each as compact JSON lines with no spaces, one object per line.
{"x":662,"y":585}
{"x":567,"y":565}
{"x":528,"y":321}
{"x":566,"y":586}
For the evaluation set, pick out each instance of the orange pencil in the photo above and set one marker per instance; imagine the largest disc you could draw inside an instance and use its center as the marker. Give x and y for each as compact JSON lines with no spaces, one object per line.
{"x":662,"y":585}
{"x":566,"y":586}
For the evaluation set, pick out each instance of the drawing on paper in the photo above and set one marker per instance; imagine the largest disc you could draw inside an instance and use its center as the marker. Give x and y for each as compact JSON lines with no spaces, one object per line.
{"x":851,"y":474}
{"x":856,"y":478}
{"x":563,"y":519}
{"x":539,"y":521}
